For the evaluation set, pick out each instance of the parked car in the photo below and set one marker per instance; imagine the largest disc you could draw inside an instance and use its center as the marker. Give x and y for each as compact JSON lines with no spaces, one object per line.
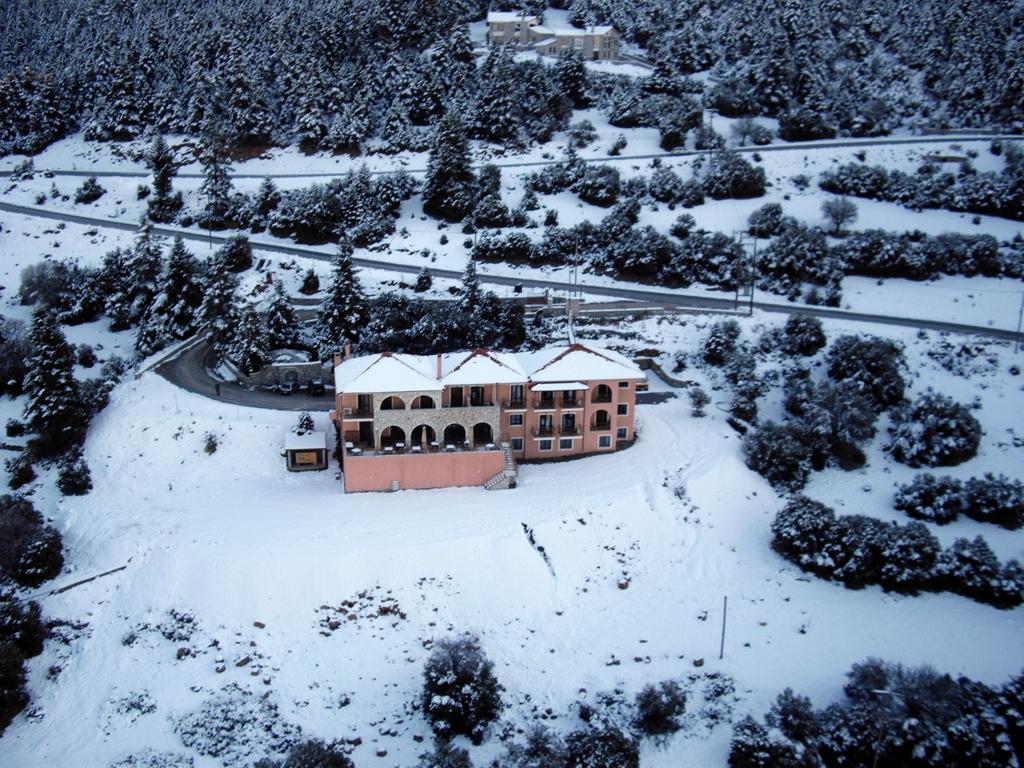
{"x":287,"y":388}
{"x":316,"y":387}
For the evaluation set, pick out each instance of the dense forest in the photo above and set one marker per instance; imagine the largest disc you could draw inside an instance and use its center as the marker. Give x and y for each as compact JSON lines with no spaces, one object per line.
{"x":369,"y":75}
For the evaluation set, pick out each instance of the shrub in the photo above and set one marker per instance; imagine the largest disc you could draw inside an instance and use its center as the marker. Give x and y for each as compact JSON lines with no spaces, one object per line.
{"x":21,"y":623}
{"x":13,"y":694}
{"x":873,"y":364}
{"x":305,"y":424}
{"x":599,"y":185}
{"x":804,"y":125}
{"x":582,"y":133}
{"x":730,"y":175}
{"x":445,"y":755}
{"x":20,"y":471}
{"x":970,"y":568}
{"x":935,"y":499}
{"x":74,"y":478}
{"x":90,"y":191}
{"x":236,"y":254}
{"x":992,"y":499}
{"x":934,"y":431}
{"x":461,"y":695}
{"x":310,"y":283}
{"x":658,"y":708}
{"x":210,"y":443}
{"x":699,"y":400}
{"x":839,"y":212}
{"x":803,"y":335}
{"x":765,"y":221}
{"x":720,"y":342}
{"x":314,"y":753}
{"x":543,"y":749}
{"x":617,"y":146}
{"x":601,"y":748}
{"x":779,"y":454}
{"x":86,"y":356}
{"x":30,"y":551}
{"x":682,"y":226}
{"x":424,"y":281}
{"x":14,"y":428}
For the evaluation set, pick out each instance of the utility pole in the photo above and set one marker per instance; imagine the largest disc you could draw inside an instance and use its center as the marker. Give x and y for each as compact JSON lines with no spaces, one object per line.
{"x":1020,"y":319}
{"x":725,"y":610}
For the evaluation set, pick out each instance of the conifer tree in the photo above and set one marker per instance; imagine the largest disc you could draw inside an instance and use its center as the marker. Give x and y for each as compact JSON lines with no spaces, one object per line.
{"x":281,"y":319}
{"x":471,"y":296}
{"x":219,"y":311}
{"x":449,"y":187}
{"x":54,"y":410}
{"x":251,"y":348}
{"x":216,"y":187}
{"x":423,"y":281}
{"x":163,"y":204}
{"x":344,"y":312}
{"x":74,"y":478}
{"x":571,"y":77}
{"x":135,"y":285}
{"x":173,"y":314}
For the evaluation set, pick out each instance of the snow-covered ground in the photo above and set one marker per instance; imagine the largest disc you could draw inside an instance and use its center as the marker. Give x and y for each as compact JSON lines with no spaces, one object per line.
{"x":265,"y":561}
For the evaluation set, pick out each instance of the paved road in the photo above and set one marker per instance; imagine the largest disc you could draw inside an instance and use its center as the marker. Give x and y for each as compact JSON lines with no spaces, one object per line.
{"x":665,"y":297}
{"x":188,"y":371}
{"x":805,"y":145}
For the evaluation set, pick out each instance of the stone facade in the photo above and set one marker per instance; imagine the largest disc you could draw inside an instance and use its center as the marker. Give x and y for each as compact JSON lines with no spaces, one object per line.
{"x":437,"y":418}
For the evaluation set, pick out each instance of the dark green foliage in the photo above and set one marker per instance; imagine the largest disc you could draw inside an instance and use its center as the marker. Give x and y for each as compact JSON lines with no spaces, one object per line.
{"x":542,"y":749}
{"x":164,"y":204}
{"x":875,"y":365}
{"x":90,"y":191}
{"x":598,"y":185}
{"x":461,"y":695}
{"x":343,"y":313}
{"x":601,"y":748}
{"x":658,"y":708}
{"x":305,"y":424}
{"x":236,"y":254}
{"x":282,"y":322}
{"x":445,"y":755}
{"x":311,"y":753}
{"x":21,"y":623}
{"x":779,"y":453}
{"x":730,"y":175}
{"x":251,"y":348}
{"x":13,"y":675}
{"x":933,"y":431}
{"x":765,"y":221}
{"x":424,"y":281}
{"x":14,"y":348}
{"x":995,"y":499}
{"x":30,"y":550}
{"x":720,"y":342}
{"x":54,"y":411}
{"x":74,"y":478}
{"x":803,"y":335}
{"x":934,"y":499}
{"x":310,"y":283}
{"x":970,"y":568}
{"x":839,"y":212}
{"x":449,"y":187}
{"x":804,"y":125}
{"x":20,"y":471}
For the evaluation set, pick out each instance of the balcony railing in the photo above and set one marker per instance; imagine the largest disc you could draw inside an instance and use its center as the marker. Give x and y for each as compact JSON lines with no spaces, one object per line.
{"x":516,"y":405}
{"x":543,"y":432}
{"x":545,"y":404}
{"x":472,"y":404}
{"x":572,"y":402}
{"x":601,"y":426}
{"x":599,"y":397}
{"x":569,"y":431}
{"x":357,"y":413}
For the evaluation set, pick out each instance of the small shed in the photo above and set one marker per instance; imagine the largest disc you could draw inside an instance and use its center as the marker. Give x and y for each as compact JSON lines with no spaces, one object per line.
{"x":307,"y":451}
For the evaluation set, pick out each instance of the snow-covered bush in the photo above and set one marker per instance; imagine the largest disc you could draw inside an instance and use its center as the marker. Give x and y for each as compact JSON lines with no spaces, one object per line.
{"x":606,"y":747}
{"x":730,"y":175}
{"x":598,"y":185}
{"x":312,"y":753}
{"x":699,"y":400}
{"x":721,"y":341}
{"x":310,"y":283}
{"x":934,"y":431}
{"x":542,"y":749}
{"x":13,"y":675}
{"x":970,"y":568}
{"x":461,"y":695}
{"x":874,"y":364}
{"x":804,"y":125}
{"x":995,"y":499}
{"x":797,"y":255}
{"x":765,"y":221}
{"x":803,"y":335}
{"x":665,"y":186}
{"x":30,"y":550}
{"x":90,"y":191}
{"x":210,"y":442}
{"x":779,"y":453}
{"x":235,"y":255}
{"x":20,"y":471}
{"x":74,"y":477}
{"x":235,"y":725}
{"x":305,"y":424}
{"x":935,"y":499}
{"x":445,"y":755}
{"x":21,"y":624}
{"x":582,"y":133}
{"x":658,"y":708}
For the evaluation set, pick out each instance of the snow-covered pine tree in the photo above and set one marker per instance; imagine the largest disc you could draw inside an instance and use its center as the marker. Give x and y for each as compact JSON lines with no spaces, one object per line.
{"x":471,"y":295}
{"x":250,"y":350}
{"x":219,"y":311}
{"x":163,"y":204}
{"x":423,"y":281}
{"x":174,"y":313}
{"x":344,"y":311}
{"x":497,"y":109}
{"x":216,"y":187}
{"x":449,"y":189}
{"x":54,"y":411}
{"x":134,"y":291}
{"x":74,"y":478}
{"x":305,"y":424}
{"x":571,"y":77}
{"x":282,"y":323}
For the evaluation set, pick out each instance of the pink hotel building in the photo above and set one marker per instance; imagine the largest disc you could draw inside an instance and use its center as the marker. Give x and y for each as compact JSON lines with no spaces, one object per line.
{"x":465,"y":418}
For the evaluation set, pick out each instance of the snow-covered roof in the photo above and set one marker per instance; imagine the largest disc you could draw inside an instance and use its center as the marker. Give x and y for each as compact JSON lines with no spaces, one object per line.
{"x":482,"y":367}
{"x":386,"y":372}
{"x":576,"y":32}
{"x":540,"y":29}
{"x":562,"y":386}
{"x":500,"y":17}
{"x":546,"y":41}
{"x":566,"y":365}
{"x":578,"y":362}
{"x":310,"y":441}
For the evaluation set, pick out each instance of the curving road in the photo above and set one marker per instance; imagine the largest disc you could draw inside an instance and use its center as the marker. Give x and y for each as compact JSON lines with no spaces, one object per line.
{"x":798,"y":145}
{"x":188,"y":371}
{"x":669,"y":298}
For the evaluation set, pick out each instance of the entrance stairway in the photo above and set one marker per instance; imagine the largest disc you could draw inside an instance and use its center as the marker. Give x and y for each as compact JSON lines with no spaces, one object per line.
{"x":507,"y":477}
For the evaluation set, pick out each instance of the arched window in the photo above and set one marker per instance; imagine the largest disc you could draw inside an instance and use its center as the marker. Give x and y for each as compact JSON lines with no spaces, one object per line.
{"x":392,"y":403}
{"x":422,"y":402}
{"x":602,"y":394}
{"x":482,"y":434}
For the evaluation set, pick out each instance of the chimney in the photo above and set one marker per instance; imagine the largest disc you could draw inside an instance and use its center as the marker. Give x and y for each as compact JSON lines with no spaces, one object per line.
{"x":440,"y":370}
{"x":347,"y":347}
{"x":337,"y":359}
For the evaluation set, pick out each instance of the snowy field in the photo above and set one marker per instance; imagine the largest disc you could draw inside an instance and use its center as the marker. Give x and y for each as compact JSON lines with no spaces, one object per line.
{"x":326,"y":603}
